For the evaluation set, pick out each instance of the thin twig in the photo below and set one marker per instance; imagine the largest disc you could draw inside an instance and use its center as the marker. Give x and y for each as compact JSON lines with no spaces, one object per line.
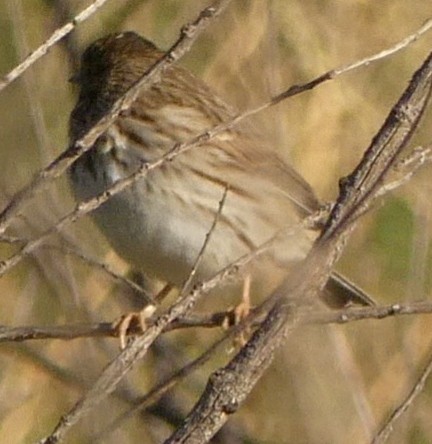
{"x":213,"y":320}
{"x":186,"y":286}
{"x":417,"y":389}
{"x":344,"y":69}
{"x":30,"y":86}
{"x":57,"y":35}
{"x":231,"y":386}
{"x":137,"y":348}
{"x":73,"y":251}
{"x":124,"y":280}
{"x":59,"y":165}
{"x":189,"y":33}
{"x":163,"y":387}
{"x":86,"y":207}
{"x":405,"y":170}
{"x":383,"y":151}
{"x":228,"y":387}
{"x":44,"y":365}
{"x":386,"y":52}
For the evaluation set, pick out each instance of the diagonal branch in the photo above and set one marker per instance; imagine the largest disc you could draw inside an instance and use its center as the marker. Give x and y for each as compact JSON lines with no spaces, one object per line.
{"x":416,"y":390}
{"x":59,"y":165}
{"x":90,"y":205}
{"x":187,"y":284}
{"x":188,"y":35}
{"x":383,"y":152}
{"x":228,"y":387}
{"x":55,"y":37}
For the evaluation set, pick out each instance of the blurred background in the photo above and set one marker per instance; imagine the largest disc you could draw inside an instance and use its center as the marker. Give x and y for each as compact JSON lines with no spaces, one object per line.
{"x":329,"y":384}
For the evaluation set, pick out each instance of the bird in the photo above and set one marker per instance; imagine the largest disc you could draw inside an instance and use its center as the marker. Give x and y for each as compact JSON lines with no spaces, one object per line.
{"x":159,"y":223}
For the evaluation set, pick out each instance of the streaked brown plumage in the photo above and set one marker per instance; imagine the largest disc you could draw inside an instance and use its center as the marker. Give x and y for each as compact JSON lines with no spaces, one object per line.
{"x":159,"y":224}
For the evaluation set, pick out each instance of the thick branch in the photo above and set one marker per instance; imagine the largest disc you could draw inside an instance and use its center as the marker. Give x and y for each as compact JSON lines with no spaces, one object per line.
{"x":229,"y":387}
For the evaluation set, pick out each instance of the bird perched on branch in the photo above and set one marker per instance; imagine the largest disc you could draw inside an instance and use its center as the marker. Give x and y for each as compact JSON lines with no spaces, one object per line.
{"x":160,"y":222}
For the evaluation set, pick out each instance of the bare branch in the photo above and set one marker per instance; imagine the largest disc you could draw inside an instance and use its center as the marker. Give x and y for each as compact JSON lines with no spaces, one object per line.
{"x":186,"y":286}
{"x":188,"y":35}
{"x":157,"y":392}
{"x":68,"y":332}
{"x":56,"y":36}
{"x":129,"y":283}
{"x":138,"y":347}
{"x":59,"y":165}
{"x":383,"y":54}
{"x":405,"y":170}
{"x":73,"y":251}
{"x":418,"y":387}
{"x":228,"y":387}
{"x":329,"y":75}
{"x":362,"y":313}
{"x":213,"y":320}
{"x":384,"y":149}
{"x":86,"y":207}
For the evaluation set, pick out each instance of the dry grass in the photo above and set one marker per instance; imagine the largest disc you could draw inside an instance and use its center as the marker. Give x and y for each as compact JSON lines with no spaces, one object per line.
{"x":329,"y":384}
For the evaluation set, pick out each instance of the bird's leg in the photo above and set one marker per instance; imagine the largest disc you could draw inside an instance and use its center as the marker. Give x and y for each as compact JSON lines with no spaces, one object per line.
{"x":136,"y":321}
{"x":241,"y":311}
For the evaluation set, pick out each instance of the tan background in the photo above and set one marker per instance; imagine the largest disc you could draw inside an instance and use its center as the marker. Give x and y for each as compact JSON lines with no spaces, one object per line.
{"x":328,"y":384}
